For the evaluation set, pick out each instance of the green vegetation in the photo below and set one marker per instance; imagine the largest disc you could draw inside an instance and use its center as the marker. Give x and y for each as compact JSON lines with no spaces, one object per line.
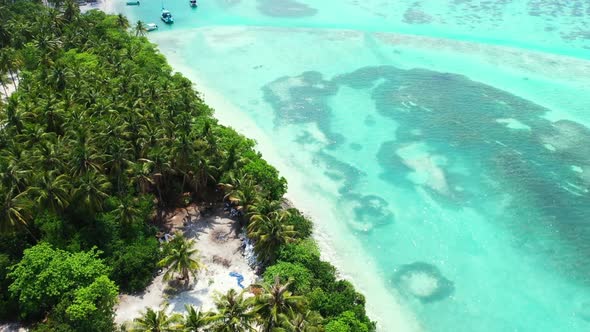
{"x":234,"y":313}
{"x":74,"y":286}
{"x":180,"y":258}
{"x":100,"y":139}
{"x":157,"y":321}
{"x":273,"y":301}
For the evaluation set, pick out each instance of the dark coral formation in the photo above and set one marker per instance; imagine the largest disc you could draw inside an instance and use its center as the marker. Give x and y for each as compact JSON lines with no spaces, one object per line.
{"x":285,"y":8}
{"x":405,"y":273}
{"x":542,"y":167}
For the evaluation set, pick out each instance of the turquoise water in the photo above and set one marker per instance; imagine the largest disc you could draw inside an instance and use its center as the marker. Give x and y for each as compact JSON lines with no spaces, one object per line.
{"x":442,"y":147}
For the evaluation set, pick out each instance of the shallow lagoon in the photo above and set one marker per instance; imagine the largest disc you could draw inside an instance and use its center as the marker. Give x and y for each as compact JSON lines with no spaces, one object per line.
{"x":441,"y":146}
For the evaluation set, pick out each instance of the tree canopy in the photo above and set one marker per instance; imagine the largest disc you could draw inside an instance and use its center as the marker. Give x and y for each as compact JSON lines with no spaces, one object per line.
{"x":98,"y":141}
{"x":76,"y":283}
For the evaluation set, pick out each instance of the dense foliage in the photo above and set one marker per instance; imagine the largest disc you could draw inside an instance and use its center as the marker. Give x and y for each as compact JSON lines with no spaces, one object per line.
{"x":99,"y":140}
{"x":75,"y":286}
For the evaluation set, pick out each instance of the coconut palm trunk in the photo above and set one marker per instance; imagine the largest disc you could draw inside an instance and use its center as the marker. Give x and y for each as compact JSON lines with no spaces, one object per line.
{"x":12,"y":78}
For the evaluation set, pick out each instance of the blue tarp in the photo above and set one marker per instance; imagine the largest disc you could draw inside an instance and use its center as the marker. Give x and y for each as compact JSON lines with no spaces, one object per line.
{"x":239,"y":277}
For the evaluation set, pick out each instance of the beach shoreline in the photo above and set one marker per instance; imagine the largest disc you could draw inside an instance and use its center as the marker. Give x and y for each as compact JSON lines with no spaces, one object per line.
{"x":382,"y":306}
{"x":107,"y":6}
{"x":153,"y":296}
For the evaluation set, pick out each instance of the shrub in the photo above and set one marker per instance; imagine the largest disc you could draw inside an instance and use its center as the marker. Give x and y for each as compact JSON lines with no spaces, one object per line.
{"x":46,"y":276}
{"x":52,"y":229}
{"x":302,"y":225}
{"x":304,"y":252}
{"x":301,"y":278}
{"x":266,"y":176}
{"x":307,"y":254}
{"x":339,"y":297}
{"x":347,"y":322}
{"x":134,"y":264}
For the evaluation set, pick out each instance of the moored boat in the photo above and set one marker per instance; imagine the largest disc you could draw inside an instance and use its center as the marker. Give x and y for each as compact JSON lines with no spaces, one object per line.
{"x":193,"y":3}
{"x":167,"y":17}
{"x":132,"y":3}
{"x":151,"y":26}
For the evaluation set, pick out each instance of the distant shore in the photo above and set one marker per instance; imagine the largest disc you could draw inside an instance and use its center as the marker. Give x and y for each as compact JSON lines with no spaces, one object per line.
{"x":107,"y":6}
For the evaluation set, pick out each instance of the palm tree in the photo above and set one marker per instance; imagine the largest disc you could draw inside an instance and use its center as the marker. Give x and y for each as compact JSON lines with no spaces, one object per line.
{"x":181,"y":258}
{"x":140,"y":29}
{"x":34,"y":135}
{"x":233,"y":160}
{"x":15,"y":172}
{"x":50,"y":112}
{"x":140,"y":176}
{"x":234,"y":313}
{"x":122,"y":22}
{"x":207,"y":170}
{"x":84,"y":155}
{"x":71,"y":10}
{"x":273,"y":301}
{"x":3,"y":82}
{"x":127,"y":212}
{"x":241,"y":190}
{"x":306,"y":321}
{"x":51,"y":192}
{"x":16,"y":62}
{"x":92,"y":190}
{"x":117,"y":159}
{"x":182,"y":150}
{"x":159,"y":159}
{"x":265,"y":207}
{"x":47,"y":43}
{"x":14,"y":210}
{"x":6,"y":64}
{"x":46,"y":154}
{"x":157,"y":321}
{"x":196,"y":320}
{"x":270,"y":233}
{"x":59,"y":76}
{"x":14,"y":115}
{"x":202,"y":171}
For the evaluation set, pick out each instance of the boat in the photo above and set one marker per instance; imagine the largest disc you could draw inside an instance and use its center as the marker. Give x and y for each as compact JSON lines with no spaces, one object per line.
{"x":167,"y":17}
{"x":132,"y":3}
{"x":193,"y":3}
{"x":151,"y":26}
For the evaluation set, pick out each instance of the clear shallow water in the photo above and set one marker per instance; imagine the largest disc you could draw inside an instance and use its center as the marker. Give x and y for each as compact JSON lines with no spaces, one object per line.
{"x":447,"y":167}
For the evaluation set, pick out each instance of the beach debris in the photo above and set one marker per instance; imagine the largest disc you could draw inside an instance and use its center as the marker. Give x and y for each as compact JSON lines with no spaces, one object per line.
{"x":249,"y":253}
{"x":164,"y":237}
{"x":239,"y":277}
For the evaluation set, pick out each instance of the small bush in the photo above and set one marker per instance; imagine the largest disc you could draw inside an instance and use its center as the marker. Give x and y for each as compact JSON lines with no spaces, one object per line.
{"x":302,"y":225}
{"x":347,"y":322}
{"x":134,"y":264}
{"x":301,"y":278}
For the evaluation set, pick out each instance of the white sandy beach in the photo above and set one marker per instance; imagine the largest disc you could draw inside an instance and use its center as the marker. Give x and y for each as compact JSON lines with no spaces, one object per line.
{"x":107,"y":6}
{"x":220,"y":251}
{"x":12,"y":327}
